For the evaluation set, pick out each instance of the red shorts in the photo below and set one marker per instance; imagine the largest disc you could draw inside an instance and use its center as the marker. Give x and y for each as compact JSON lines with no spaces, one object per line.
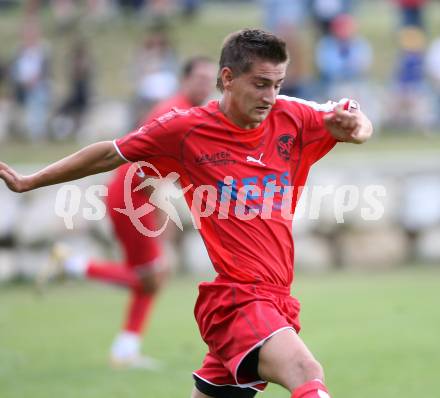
{"x":139,"y":250}
{"x":235,"y":319}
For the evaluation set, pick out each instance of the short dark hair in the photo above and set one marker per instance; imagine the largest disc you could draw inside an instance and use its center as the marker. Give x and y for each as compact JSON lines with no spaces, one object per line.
{"x":240,"y":49}
{"x":191,"y":63}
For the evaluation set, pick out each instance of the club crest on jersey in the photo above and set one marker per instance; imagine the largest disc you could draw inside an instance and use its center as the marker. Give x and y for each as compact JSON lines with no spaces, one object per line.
{"x":285,"y":145}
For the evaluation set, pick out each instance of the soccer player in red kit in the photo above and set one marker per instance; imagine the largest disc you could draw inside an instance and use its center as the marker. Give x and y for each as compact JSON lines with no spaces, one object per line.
{"x":143,"y":270}
{"x":239,"y":158}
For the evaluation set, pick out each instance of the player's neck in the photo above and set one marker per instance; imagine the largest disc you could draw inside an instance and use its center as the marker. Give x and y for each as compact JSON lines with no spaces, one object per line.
{"x":228,"y":110}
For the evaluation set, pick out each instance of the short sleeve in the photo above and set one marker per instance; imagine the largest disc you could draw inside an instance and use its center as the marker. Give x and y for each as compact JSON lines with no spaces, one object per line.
{"x":316,"y":141}
{"x":157,"y":142}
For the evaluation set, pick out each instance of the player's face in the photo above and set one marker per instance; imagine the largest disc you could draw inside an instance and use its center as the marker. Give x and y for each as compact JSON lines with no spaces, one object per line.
{"x":251,"y":95}
{"x":201,"y":82}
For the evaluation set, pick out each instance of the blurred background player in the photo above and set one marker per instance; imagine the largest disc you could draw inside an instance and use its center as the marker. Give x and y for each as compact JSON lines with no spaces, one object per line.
{"x":143,"y":269}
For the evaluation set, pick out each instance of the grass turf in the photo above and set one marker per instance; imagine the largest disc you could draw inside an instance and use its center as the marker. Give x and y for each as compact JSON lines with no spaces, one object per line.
{"x":376,"y":335}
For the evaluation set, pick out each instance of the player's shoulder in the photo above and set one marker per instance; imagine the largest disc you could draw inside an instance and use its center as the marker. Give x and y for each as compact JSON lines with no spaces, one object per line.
{"x":184,"y":117}
{"x":294,"y":103}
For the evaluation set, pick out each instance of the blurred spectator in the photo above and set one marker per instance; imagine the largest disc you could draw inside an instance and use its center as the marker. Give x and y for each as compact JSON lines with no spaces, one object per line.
{"x":343,"y":60}
{"x":65,"y":12}
{"x":411,"y":12}
{"x":8,"y":4}
{"x":31,"y":8}
{"x":285,"y":18}
{"x":30,"y":75}
{"x":99,"y":11}
{"x":190,"y":8}
{"x":278,"y":14}
{"x":324,"y":11}
{"x":411,"y":98}
{"x":155,"y":71}
{"x":160,"y":11}
{"x":343,"y":55}
{"x":69,"y":117}
{"x":132,"y":5}
{"x":432,"y":68}
{"x":4,"y":103}
{"x":411,"y":56}
{"x":3,"y":76}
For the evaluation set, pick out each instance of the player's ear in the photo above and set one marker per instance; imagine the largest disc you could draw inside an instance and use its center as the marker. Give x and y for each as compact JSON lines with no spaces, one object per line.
{"x":227,"y":77}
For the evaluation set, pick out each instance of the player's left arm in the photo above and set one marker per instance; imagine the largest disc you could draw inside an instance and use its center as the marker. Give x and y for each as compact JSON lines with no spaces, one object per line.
{"x":350,"y":125}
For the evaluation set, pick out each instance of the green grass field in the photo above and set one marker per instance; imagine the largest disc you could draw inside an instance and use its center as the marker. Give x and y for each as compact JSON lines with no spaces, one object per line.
{"x":377,"y":335}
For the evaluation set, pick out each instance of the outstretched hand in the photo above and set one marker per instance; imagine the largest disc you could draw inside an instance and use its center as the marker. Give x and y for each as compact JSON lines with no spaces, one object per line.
{"x":348,"y":125}
{"x":15,"y":182}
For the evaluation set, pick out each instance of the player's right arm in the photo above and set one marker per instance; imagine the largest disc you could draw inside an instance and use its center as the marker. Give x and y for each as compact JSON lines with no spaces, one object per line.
{"x":158,"y":142}
{"x":93,"y":159}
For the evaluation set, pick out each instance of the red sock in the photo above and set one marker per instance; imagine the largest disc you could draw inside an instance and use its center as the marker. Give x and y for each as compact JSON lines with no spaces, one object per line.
{"x":114,"y":273}
{"x":138,"y":311}
{"x":311,"y":389}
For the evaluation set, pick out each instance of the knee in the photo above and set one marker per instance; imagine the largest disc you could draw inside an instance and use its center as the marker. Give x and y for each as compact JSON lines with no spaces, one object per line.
{"x":310,"y":369}
{"x":302,"y":371}
{"x":292,"y":372}
{"x":149,"y":286}
{"x":152,"y":282}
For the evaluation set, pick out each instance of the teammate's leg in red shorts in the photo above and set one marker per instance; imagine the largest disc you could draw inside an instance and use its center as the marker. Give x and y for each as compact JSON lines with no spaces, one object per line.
{"x":145,"y":274}
{"x":142,"y":271}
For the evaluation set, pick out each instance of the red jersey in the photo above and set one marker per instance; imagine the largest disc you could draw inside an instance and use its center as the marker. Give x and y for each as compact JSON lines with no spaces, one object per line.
{"x":204,"y":147}
{"x":179,"y":101}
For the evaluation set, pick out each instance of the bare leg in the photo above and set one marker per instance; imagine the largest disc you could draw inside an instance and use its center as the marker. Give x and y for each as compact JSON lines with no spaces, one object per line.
{"x":285,"y":360}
